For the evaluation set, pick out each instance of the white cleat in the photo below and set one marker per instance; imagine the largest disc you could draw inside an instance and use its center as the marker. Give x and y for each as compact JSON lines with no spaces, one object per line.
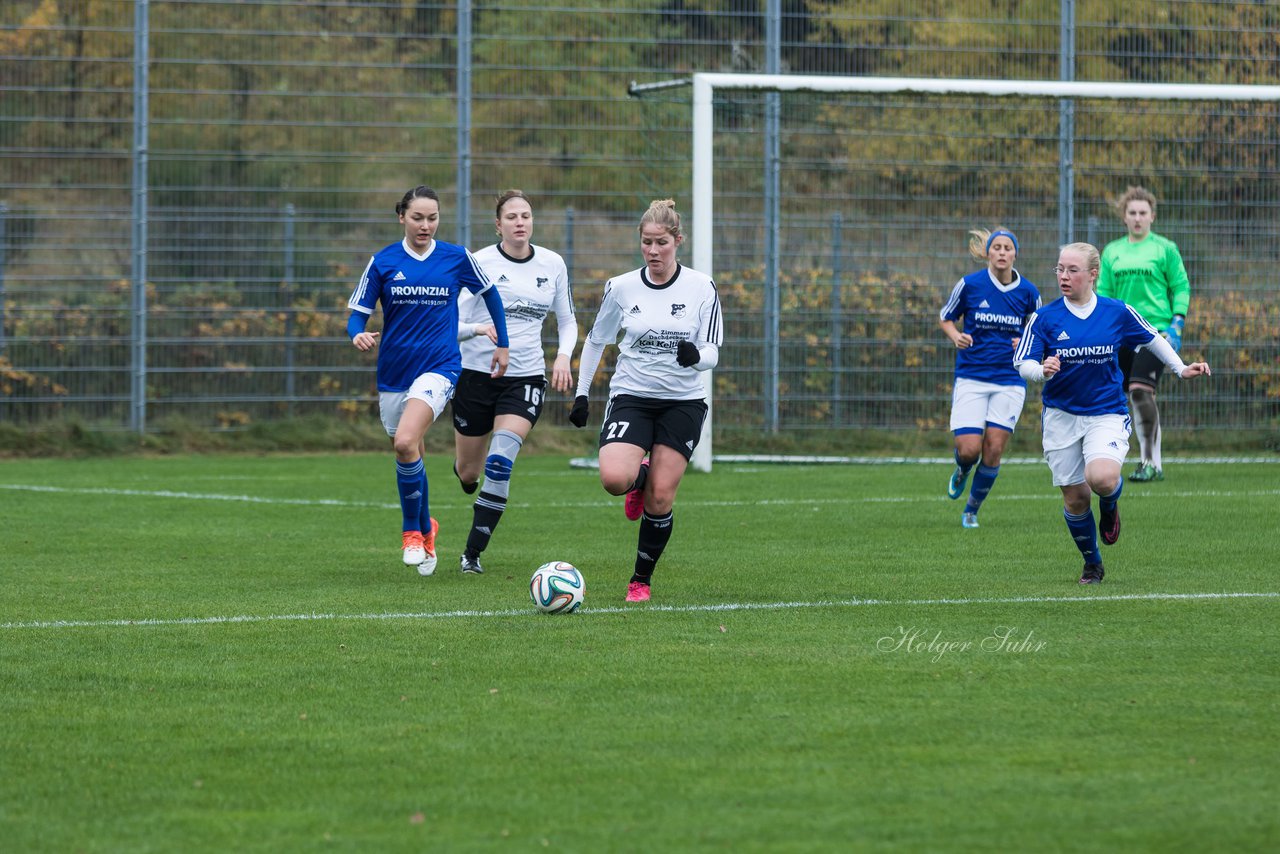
{"x":427,"y":566}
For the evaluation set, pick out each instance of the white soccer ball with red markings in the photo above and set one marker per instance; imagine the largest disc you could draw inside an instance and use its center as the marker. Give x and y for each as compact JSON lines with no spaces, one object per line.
{"x":557,"y":587}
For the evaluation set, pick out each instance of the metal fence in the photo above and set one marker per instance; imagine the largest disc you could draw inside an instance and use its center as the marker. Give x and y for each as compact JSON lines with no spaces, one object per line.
{"x":191,"y":187}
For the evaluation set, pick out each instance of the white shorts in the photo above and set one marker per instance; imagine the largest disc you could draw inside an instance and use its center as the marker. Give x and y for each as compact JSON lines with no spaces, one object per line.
{"x":1072,"y":441}
{"x":434,"y":390}
{"x":976,"y":405}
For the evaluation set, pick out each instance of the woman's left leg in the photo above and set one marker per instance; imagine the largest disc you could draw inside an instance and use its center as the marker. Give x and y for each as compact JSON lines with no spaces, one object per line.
{"x":666,"y":469}
{"x":994,"y":440}
{"x":509,"y":432}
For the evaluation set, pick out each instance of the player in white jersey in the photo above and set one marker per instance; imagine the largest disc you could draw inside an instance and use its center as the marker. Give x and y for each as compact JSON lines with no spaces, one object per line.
{"x":1072,"y":345}
{"x":532,"y":281}
{"x":988,"y":394}
{"x":417,"y":281}
{"x":669,"y":320}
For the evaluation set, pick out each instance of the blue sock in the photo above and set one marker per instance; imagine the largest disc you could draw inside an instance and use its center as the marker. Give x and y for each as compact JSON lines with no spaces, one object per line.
{"x":1085,"y":533}
{"x":1108,"y":502}
{"x":963,"y":466}
{"x":409,"y":480}
{"x":983,"y":479}
{"x":424,"y":515}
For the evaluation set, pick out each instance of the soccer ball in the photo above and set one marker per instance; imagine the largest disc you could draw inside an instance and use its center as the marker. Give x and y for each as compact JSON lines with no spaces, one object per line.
{"x":557,"y":587}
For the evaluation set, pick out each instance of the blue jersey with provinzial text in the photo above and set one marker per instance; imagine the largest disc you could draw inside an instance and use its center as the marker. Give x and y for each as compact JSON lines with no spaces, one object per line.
{"x":1090,"y":381}
{"x":419,"y":296}
{"x":994,"y":315}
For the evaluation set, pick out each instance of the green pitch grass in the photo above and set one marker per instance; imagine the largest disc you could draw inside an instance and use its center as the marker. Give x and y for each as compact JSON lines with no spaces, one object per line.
{"x":225,"y":653}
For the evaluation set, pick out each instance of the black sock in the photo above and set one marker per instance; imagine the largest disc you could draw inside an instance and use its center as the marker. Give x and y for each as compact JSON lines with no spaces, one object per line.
{"x":655,"y":531}
{"x":641,"y":476}
{"x":468,"y":488}
{"x":484,"y":521}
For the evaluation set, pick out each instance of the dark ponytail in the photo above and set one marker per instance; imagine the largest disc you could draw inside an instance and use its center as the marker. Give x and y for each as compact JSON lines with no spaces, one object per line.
{"x":418,"y":192}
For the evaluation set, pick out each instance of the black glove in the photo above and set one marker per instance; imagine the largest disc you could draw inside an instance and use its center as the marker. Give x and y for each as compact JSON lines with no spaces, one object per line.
{"x":581,"y":409}
{"x":687,"y":354}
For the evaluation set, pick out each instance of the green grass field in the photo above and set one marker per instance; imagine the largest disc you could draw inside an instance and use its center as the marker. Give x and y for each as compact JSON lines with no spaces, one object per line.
{"x":224,"y":653}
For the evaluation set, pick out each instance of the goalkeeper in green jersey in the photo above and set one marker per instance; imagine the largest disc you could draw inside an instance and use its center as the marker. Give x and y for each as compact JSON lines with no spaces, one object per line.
{"x":1146,"y":271}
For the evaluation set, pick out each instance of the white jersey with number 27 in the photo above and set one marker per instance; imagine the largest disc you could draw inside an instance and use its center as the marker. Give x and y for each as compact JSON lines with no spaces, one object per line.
{"x":652,"y":320}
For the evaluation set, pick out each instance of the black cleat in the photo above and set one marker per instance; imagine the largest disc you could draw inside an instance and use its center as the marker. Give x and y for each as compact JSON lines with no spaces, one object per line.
{"x":1110,"y":527}
{"x":470,"y":564}
{"x":468,"y":488}
{"x":1092,"y":574}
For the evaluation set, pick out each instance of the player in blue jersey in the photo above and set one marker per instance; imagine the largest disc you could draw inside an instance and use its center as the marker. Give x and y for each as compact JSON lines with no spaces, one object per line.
{"x":669,"y":320}
{"x":417,"y":281}
{"x":1072,"y":345}
{"x":532,"y":281}
{"x":987,"y":398}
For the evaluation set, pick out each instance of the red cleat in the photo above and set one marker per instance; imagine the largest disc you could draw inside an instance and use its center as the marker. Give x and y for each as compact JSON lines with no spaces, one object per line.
{"x":633,"y":505}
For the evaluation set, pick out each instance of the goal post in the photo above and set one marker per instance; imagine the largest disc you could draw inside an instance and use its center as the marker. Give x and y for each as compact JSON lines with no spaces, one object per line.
{"x":705,"y":85}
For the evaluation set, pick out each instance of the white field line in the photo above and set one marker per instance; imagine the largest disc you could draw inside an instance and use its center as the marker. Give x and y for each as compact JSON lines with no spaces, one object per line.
{"x":1047,"y":494}
{"x":791,"y":459}
{"x":737,"y":460}
{"x":198,"y":496}
{"x":677,"y":609}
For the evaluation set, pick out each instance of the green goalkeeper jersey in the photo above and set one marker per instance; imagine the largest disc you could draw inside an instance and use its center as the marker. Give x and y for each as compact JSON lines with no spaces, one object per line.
{"x":1148,"y":275}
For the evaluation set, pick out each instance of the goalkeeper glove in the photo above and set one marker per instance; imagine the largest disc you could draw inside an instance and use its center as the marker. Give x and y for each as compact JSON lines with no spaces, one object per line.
{"x":1174,"y":332}
{"x":581,"y":409}
{"x":687,"y":354}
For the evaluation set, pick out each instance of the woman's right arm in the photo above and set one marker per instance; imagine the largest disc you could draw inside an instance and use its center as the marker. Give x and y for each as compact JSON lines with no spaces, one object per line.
{"x":952,"y":311}
{"x":962,"y":340}
{"x":1027,"y":356}
{"x":587,"y":364}
{"x":607,"y":322}
{"x":468,"y":326}
{"x":362,"y":302}
{"x":362,"y":340}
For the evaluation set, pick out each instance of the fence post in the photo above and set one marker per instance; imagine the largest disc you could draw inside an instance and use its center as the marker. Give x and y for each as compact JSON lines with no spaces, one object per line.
{"x":290,"y":382}
{"x":4,"y":251}
{"x":138,"y":247}
{"x":1066,"y":125}
{"x":772,"y":213}
{"x":464,"y":122}
{"x":568,"y":244}
{"x":1091,"y":236}
{"x":837,"y":369}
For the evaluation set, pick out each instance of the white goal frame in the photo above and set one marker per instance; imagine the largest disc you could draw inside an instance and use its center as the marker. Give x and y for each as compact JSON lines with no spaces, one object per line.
{"x":706,"y":84}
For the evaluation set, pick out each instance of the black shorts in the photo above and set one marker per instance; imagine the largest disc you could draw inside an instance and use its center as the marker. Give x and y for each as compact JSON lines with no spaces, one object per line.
{"x":648,"y":421}
{"x":479,"y":398}
{"x":1143,"y":366}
